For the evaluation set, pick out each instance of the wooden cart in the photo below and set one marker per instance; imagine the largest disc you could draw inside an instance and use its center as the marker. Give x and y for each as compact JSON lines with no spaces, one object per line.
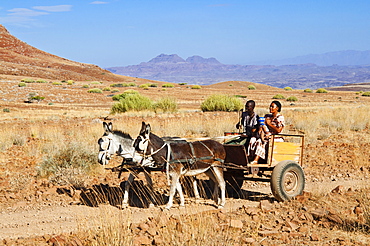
{"x":282,"y":167}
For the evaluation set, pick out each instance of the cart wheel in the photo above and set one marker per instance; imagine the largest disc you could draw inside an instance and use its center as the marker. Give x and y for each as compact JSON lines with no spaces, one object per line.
{"x":234,"y":181}
{"x":287,"y":180}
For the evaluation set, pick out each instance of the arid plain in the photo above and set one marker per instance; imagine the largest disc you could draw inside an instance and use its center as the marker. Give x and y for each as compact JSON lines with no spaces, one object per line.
{"x":74,"y":207}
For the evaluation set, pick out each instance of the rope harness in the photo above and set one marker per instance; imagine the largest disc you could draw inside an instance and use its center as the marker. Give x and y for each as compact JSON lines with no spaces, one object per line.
{"x":169,"y":155}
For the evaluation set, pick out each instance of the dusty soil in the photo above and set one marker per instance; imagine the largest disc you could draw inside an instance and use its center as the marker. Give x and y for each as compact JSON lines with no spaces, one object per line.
{"x":326,"y":213}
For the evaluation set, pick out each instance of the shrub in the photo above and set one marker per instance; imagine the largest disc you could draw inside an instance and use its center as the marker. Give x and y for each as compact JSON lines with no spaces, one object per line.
{"x":22,"y":84}
{"x":288,"y":88}
{"x":95,"y":90}
{"x":307,"y":90}
{"x":366,"y":94}
{"x":106,"y":89}
{"x":124,"y":94}
{"x":131,"y":84}
{"x":119,"y":85}
{"x":165,"y":104}
{"x":28,"y":80}
{"x":41,"y":81}
{"x":70,"y":82}
{"x":115,"y":90}
{"x":56,"y":83}
{"x":183,"y":83}
{"x":240,"y":96}
{"x":196,"y":87}
{"x":144,"y":86}
{"x":278,"y":96}
{"x":251,"y":87}
{"x":68,"y":166}
{"x":131,"y":102}
{"x":292,"y":99}
{"x":153,"y":85}
{"x":6,"y":110}
{"x":85,"y":86}
{"x":219,"y":102}
{"x":168,"y":85}
{"x":95,"y":83}
{"x":37,"y":98}
{"x":321,"y":90}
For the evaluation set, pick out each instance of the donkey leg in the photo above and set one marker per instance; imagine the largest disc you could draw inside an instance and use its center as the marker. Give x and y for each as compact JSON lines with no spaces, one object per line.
{"x":127,"y":188}
{"x":219,"y":175}
{"x":149,"y":182}
{"x":195,"y":187}
{"x":175,"y":178}
{"x":181,"y":194}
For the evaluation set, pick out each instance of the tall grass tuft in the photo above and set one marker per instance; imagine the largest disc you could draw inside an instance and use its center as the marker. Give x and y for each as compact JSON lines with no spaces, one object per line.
{"x":67,"y":166}
{"x":219,"y":102}
{"x":165,"y":104}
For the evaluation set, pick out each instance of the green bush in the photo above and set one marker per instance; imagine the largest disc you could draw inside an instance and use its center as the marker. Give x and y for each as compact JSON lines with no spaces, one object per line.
{"x":278,"y":96}
{"x":240,"y":96}
{"x":28,"y":80}
{"x":251,"y":87}
{"x":119,"y":85}
{"x":115,"y":90}
{"x":85,"y":86}
{"x":292,"y":99}
{"x":307,"y":90}
{"x":131,"y":102}
{"x":41,"y":81}
{"x":288,"y":88}
{"x":165,"y":104}
{"x":22,"y":84}
{"x":168,"y":85}
{"x":219,"y":102}
{"x":124,"y":94}
{"x":196,"y":87}
{"x":145,"y":86}
{"x":95,"y":90}
{"x":153,"y":85}
{"x":321,"y":90}
{"x":6,"y":110}
{"x":131,"y":84}
{"x":95,"y":83}
{"x":70,"y":82}
{"x":366,"y":94}
{"x":106,"y":89}
{"x":183,"y":83}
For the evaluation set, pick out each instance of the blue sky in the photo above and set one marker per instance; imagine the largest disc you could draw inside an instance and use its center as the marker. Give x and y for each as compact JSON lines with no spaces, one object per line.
{"x":126,"y":32}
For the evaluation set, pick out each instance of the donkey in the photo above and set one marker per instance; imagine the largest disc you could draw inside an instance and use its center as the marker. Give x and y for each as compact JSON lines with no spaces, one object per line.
{"x":184,"y":159}
{"x":117,"y":142}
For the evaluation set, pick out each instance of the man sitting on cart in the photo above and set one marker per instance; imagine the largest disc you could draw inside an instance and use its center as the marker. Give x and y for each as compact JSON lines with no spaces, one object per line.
{"x":250,"y":123}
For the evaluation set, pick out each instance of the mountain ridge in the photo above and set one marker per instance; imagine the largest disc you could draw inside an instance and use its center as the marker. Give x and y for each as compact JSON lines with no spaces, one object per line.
{"x":204,"y":71}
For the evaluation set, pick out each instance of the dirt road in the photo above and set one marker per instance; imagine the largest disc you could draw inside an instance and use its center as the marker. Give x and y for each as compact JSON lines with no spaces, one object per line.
{"x":29,"y":222}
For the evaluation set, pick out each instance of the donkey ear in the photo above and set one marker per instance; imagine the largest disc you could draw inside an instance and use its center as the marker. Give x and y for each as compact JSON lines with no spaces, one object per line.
{"x":147,"y":129}
{"x":142,"y":127}
{"x":110,"y":126}
{"x":105,"y":125}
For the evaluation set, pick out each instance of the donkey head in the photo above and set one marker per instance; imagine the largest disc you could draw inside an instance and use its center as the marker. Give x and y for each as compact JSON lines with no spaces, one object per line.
{"x":107,"y":148}
{"x":142,"y":141}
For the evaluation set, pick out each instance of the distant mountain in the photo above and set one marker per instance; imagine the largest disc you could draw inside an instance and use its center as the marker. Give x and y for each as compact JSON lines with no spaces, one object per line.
{"x":203,"y":71}
{"x":19,"y":58}
{"x":341,"y":58}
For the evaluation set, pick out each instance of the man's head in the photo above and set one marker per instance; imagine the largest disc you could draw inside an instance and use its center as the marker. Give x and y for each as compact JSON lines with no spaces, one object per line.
{"x":249,"y":106}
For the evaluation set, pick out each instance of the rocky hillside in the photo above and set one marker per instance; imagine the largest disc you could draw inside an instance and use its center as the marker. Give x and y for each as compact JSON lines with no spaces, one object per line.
{"x":19,"y":58}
